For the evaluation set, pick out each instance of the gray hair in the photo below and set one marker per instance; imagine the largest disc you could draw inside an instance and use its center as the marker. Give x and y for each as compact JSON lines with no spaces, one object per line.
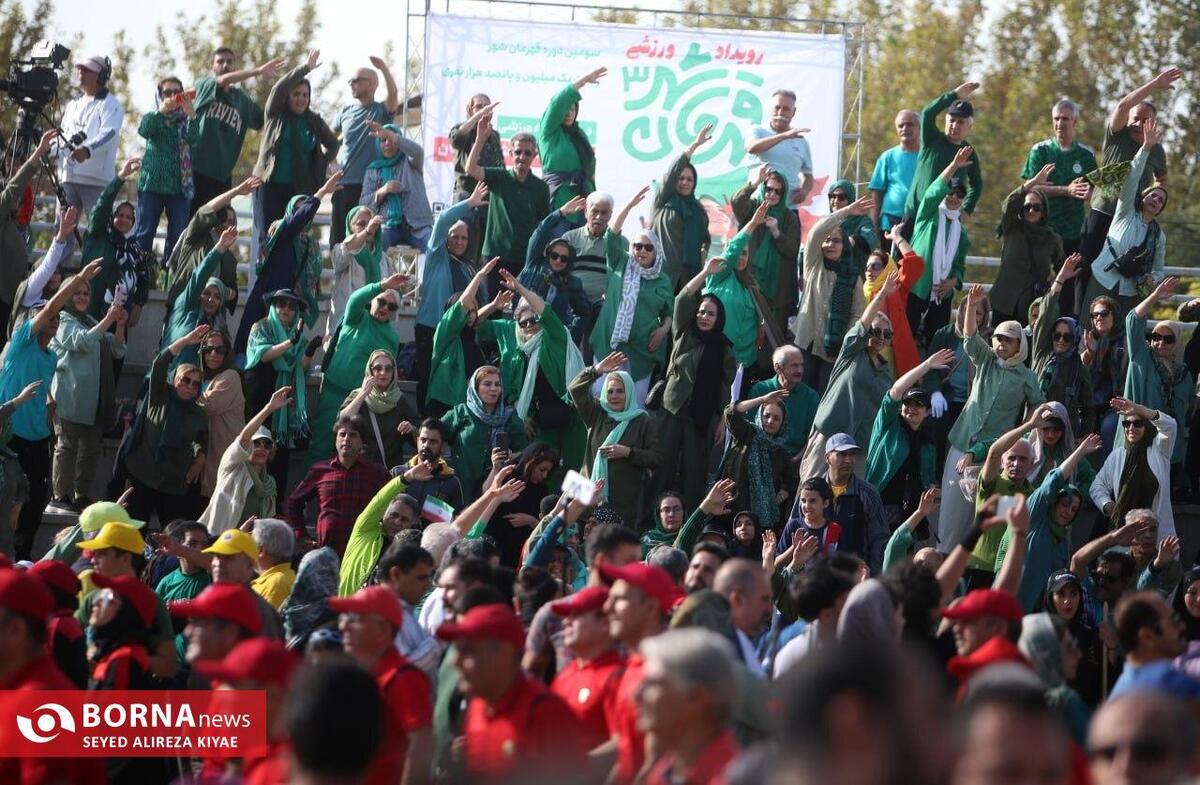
{"x":275,"y":537}
{"x":784,"y":93}
{"x":780,"y":355}
{"x":670,"y":559}
{"x":695,"y":658}
{"x":1141,"y":513}
{"x":524,"y":136}
{"x":437,"y":539}
{"x":1066,"y":104}
{"x":599,"y":197}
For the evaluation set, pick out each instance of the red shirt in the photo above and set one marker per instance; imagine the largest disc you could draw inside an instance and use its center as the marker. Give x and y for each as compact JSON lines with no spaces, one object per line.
{"x":408,"y":707}
{"x":269,"y":768}
{"x":43,"y":674}
{"x":530,"y":731}
{"x":589,"y":688}
{"x":623,"y":723}
{"x":341,"y":494}
{"x":708,"y":769}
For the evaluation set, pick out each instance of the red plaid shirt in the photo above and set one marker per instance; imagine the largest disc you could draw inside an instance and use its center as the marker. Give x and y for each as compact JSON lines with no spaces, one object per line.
{"x":341,"y":494}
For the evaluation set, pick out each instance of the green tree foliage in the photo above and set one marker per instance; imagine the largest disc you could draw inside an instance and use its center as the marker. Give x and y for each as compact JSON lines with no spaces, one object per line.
{"x":20,"y":30}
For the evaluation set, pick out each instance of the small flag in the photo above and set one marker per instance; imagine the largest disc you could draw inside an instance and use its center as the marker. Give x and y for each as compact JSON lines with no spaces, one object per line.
{"x":435,"y":510}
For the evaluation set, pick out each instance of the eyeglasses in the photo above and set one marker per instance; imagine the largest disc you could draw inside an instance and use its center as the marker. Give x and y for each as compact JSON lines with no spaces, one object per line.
{"x":1004,"y":338}
{"x":1032,"y":208}
{"x":1064,"y":337}
{"x":881,"y":332}
{"x":643,"y":247}
{"x":377,"y":368}
{"x":171,"y":93}
{"x":526,"y":323}
{"x":522,"y":153}
{"x":391,"y":306}
{"x":221,"y":350}
{"x":555,"y":256}
{"x":1166,"y":338}
{"x":1144,"y":752}
{"x":1101,"y":314}
{"x":1127,"y":424}
{"x":773,"y":190}
{"x":190,"y":381}
{"x":266,"y":444}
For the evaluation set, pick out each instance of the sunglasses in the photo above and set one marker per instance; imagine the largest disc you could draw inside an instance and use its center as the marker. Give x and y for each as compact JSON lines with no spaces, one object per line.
{"x":1064,"y":337}
{"x":190,"y":381}
{"x":773,"y":190}
{"x":286,"y":305}
{"x":875,"y":266}
{"x":1032,"y":208}
{"x":221,"y":350}
{"x":881,"y":332}
{"x":266,"y":444}
{"x":528,"y":322}
{"x":381,"y":368}
{"x":1102,"y":314}
{"x":555,"y":256}
{"x":643,"y":247}
{"x":391,"y":306}
{"x":1127,"y":424}
{"x":171,"y":93}
{"x":1161,"y":338}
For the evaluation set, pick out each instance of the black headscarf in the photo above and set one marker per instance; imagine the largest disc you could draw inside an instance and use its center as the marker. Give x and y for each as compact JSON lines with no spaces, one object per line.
{"x":706,"y":390}
{"x":1190,"y":622}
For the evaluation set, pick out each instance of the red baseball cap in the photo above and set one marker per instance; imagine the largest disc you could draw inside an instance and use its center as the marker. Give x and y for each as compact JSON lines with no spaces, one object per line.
{"x":985,"y":602}
{"x":227,"y":601}
{"x":583,"y":601}
{"x":378,"y":600}
{"x":257,"y":659}
{"x":139,"y":595}
{"x":486,"y":622}
{"x":57,"y":574}
{"x":653,"y":580}
{"x":25,"y":594}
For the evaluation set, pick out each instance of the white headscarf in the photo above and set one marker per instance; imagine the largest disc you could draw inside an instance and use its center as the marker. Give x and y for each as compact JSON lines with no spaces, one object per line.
{"x":631,"y":285}
{"x":945,"y":243}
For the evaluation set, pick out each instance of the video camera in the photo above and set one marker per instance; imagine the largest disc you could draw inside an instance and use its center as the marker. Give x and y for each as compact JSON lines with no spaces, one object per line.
{"x":33,"y":82}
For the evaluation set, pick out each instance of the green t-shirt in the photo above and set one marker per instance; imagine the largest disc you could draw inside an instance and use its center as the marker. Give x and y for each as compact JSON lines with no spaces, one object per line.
{"x":1066,"y":212}
{"x":514,"y":211}
{"x":225,"y":115}
{"x":1121,"y":148}
{"x":179,"y":586}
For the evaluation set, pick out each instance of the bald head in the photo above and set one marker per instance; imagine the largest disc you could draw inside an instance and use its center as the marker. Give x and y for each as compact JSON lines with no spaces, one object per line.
{"x":363,"y":85}
{"x":744,"y":584}
{"x":1143,"y":738}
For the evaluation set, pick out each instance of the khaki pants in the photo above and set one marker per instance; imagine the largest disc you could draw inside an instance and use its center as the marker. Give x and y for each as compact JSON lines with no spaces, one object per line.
{"x":76,"y":453}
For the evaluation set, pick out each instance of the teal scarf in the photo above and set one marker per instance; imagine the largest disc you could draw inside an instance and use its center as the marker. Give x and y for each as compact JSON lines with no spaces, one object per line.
{"x":393,"y":206}
{"x":289,"y":425}
{"x":623,"y":418}
{"x":370,"y":255}
{"x":497,"y":421}
{"x":307,"y":249}
{"x":695,"y":227}
{"x":765,"y":263}
{"x":760,"y":469}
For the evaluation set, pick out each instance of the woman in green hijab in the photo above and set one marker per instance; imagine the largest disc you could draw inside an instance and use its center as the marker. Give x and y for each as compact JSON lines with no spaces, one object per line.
{"x":482,"y":424}
{"x":357,"y":261}
{"x":679,"y":219}
{"x":775,"y":244}
{"x":737,"y":289}
{"x":621,"y":442}
{"x":276,"y":358}
{"x":370,"y":312}
{"x":568,"y":160}
{"x":201,"y":301}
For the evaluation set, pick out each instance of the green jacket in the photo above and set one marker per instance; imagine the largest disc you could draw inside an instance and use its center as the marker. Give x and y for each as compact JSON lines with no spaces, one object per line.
{"x":160,"y":162}
{"x":937,"y":151}
{"x":361,"y":334}
{"x":653,"y":306}
{"x":165,"y":469}
{"x":552,"y":357}
{"x":76,"y":387}
{"x":191,"y":249}
{"x":778,"y":285}
{"x":224,"y":114}
{"x":685,"y":360}
{"x":998,"y":397}
{"x":856,"y":386}
{"x":1029,"y":257}
{"x":889,"y":448}
{"x":736,"y":464}
{"x":671,"y":226}
{"x":925,"y":236}
{"x":734,"y":289}
{"x":472,"y":446}
{"x":557,"y":151}
{"x":448,"y":376}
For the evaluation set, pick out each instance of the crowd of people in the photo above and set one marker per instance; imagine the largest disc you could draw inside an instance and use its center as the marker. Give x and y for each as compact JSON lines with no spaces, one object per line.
{"x":843,"y":500}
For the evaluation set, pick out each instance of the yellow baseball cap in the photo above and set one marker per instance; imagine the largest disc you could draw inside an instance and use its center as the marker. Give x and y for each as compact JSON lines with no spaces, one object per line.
{"x":232,"y":542}
{"x":121,"y":536}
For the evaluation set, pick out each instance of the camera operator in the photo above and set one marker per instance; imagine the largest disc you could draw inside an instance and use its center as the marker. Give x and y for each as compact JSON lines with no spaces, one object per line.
{"x":97,"y":114}
{"x":12,"y":243}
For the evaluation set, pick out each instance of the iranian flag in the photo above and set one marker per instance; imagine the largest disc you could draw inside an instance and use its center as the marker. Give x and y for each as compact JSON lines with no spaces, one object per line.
{"x":435,"y":510}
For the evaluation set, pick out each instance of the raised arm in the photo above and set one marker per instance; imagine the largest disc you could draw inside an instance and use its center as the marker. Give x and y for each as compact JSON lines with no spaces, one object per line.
{"x":482,"y":134}
{"x":711,"y":267}
{"x":268,"y":69}
{"x":618,"y":220}
{"x":279,"y":399}
{"x":1164,"y":81}
{"x":759,"y":145}
{"x":512,"y":284}
{"x":1164,"y":291}
{"x":472,"y":288}
{"x":974,"y":297}
{"x":1008,"y":578}
{"x":66,"y":290}
{"x":391,"y":100}
{"x":890,"y":285}
{"x":938,"y":361}
{"x":1090,"y":551}
{"x":995,"y":454}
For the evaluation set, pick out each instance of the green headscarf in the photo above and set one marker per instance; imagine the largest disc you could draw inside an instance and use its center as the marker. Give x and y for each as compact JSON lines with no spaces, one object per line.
{"x":695,"y":224}
{"x":759,"y":467}
{"x":307,"y":249}
{"x":623,"y":418}
{"x":393,"y":204}
{"x":290,"y":424}
{"x":765,"y":262}
{"x":370,"y":255}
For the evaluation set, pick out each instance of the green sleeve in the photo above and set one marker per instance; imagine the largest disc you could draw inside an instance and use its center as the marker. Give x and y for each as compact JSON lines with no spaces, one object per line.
{"x":1043,"y":331}
{"x":616,"y":248}
{"x":186,"y":301}
{"x":958,"y":268}
{"x":449,"y":328}
{"x":366,"y":538}
{"x":102,"y":212}
{"x":516,"y":433}
{"x":580,"y":390}
{"x":899,"y":545}
{"x":488,"y":329}
{"x":356,"y":305}
{"x":1033,"y":162}
{"x":733,"y":251}
{"x":151,"y":126}
{"x":929,"y":127}
{"x":476,"y":531}
{"x":689,"y":533}
{"x":1005,"y":542}
{"x":552,"y":118}
{"x":932,"y":198}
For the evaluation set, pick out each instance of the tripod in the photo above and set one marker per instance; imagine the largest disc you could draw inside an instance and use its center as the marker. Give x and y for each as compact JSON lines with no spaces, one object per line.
{"x":23,"y":141}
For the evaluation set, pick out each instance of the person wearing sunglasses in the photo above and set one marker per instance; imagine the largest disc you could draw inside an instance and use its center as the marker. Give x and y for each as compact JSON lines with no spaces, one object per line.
{"x":222,"y":400}
{"x":1107,"y":361}
{"x":1002,"y":388}
{"x":550,"y":271}
{"x":774,"y":243}
{"x":164,"y":450}
{"x":1056,"y":360}
{"x":1158,"y":376}
{"x":369,"y":324}
{"x":198,"y":301}
{"x":390,"y":414}
{"x":165,"y":182}
{"x":568,"y":160}
{"x":903,"y":353}
{"x":1030,"y":251}
{"x":1137,"y":473}
{"x":635,"y":318}
{"x":84,"y":392}
{"x":679,"y":218}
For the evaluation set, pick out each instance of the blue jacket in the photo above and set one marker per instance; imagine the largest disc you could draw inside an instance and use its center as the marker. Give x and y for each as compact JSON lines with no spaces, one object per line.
{"x":437,"y":282}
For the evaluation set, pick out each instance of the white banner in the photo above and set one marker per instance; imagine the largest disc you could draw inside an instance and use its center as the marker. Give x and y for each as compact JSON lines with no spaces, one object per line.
{"x":663,"y":85}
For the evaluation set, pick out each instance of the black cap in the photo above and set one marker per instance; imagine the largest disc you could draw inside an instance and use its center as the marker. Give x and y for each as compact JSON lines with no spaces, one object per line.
{"x":283,"y":294}
{"x":961,"y":108}
{"x":958,"y":186}
{"x":918,"y":396}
